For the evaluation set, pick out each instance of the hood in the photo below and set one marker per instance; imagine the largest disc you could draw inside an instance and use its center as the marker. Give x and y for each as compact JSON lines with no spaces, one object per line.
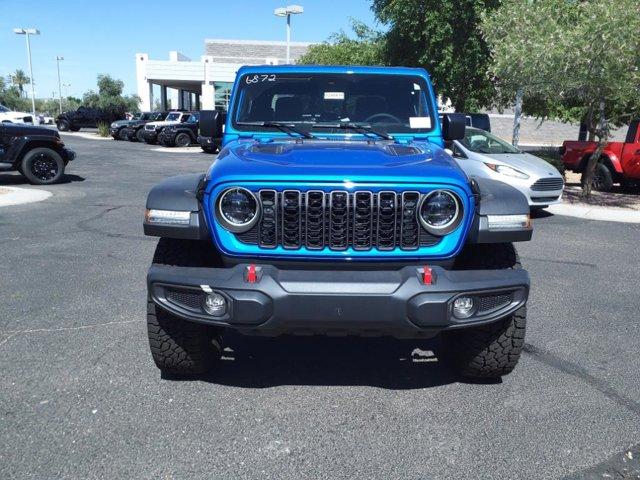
{"x":21,"y":129}
{"x":122,"y":123}
{"x":335,"y":161}
{"x":525,"y":162}
{"x":14,"y":115}
{"x":163,"y":123}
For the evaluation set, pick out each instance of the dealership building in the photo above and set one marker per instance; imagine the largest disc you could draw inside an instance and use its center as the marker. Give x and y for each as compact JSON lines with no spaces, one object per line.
{"x":182,"y":83}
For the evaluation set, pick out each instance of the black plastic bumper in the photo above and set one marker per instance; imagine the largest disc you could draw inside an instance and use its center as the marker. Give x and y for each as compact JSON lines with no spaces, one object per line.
{"x":68,"y":154}
{"x":396,"y":303}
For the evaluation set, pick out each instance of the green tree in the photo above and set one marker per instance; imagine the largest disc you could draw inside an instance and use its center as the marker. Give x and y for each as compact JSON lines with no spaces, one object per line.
{"x":341,"y":49}
{"x":574,"y":61}
{"x":19,"y":79}
{"x":109,"y":96}
{"x":444,"y":38}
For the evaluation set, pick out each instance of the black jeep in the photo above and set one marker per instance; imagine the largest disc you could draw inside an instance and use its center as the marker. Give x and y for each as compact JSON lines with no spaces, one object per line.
{"x":86,"y":117}
{"x":133,"y":131}
{"x":182,"y":134}
{"x":36,"y":152}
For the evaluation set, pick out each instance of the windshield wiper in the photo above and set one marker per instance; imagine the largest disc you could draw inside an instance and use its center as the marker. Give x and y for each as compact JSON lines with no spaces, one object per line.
{"x":287,"y":128}
{"x":356,"y":127}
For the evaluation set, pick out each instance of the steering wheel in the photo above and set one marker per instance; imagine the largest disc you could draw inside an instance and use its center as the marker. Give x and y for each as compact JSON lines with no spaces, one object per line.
{"x":382,"y":115}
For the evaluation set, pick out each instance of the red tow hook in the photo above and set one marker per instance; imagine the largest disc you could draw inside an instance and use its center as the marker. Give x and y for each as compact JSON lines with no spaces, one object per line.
{"x":252,"y":275}
{"x":427,"y":276}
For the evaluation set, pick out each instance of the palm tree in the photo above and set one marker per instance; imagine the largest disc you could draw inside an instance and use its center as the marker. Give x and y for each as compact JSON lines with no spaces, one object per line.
{"x":19,"y":79}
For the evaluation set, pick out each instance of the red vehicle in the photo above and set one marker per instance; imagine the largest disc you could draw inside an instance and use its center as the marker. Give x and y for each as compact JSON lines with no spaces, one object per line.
{"x":619,"y":163}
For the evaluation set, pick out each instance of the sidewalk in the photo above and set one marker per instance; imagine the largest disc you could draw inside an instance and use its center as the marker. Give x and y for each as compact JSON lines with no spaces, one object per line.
{"x":17,"y":196}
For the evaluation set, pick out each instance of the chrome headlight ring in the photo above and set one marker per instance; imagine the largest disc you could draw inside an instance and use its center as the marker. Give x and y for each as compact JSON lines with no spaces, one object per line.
{"x":224,"y":218}
{"x":451,"y":224}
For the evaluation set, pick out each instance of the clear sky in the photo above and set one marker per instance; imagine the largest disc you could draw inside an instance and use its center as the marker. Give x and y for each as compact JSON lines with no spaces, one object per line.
{"x":102,"y":36}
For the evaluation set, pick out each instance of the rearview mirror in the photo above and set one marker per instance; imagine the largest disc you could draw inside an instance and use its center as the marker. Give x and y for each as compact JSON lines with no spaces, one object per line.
{"x":453,"y":125}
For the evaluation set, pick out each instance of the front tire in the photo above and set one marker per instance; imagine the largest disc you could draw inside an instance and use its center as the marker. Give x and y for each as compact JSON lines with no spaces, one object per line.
{"x":138,"y":136}
{"x":42,"y":166}
{"x":63,"y":125}
{"x":179,"y":347}
{"x":602,"y":178}
{"x":183,"y":140}
{"x":493,"y":350}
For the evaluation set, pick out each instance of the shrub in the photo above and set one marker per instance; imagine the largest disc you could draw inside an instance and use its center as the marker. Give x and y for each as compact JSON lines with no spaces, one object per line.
{"x":103,"y":129}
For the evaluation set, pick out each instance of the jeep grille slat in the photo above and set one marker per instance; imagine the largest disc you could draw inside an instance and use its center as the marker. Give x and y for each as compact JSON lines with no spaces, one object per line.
{"x":339,"y":220}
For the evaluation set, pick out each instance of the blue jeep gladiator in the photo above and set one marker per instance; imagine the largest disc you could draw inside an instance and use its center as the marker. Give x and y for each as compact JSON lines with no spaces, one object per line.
{"x":334,"y":208}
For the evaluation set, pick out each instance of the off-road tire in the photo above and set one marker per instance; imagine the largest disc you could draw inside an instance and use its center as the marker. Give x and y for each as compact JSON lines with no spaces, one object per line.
{"x":63,"y":125}
{"x":123,"y":134}
{"x":602,"y":178}
{"x":38,"y":176}
{"x":179,"y":347}
{"x":493,"y":350}
{"x":138,"y":136}
{"x":182,"y":140}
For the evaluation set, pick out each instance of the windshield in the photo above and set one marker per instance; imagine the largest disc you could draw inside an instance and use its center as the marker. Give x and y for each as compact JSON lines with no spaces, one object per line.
{"x":146,"y":116}
{"x":388,"y":103}
{"x":4,"y":109}
{"x":480,"y":141}
{"x":173,"y":117}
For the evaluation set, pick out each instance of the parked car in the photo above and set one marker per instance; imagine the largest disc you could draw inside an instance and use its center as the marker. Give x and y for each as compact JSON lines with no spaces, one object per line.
{"x":133,"y":131}
{"x":180,"y":134}
{"x":117,"y":128}
{"x":482,"y":154}
{"x":151,"y":130}
{"x":9,"y":116}
{"x":619,"y":161}
{"x":333,"y":208}
{"x":86,"y":117}
{"x":38,"y":153}
{"x":209,"y":142}
{"x":45,"y":119}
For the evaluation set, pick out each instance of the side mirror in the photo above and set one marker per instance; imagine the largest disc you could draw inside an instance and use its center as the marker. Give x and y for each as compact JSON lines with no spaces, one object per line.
{"x":453,"y":125}
{"x":211,"y":123}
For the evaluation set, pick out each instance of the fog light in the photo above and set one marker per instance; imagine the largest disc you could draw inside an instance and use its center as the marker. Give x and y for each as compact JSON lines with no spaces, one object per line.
{"x":463,"y":307}
{"x":215,"y":304}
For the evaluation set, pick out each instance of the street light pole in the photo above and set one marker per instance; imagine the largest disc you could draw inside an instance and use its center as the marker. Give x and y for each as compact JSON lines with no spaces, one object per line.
{"x":287,"y":12}
{"x":58,"y":58}
{"x":27,"y":32}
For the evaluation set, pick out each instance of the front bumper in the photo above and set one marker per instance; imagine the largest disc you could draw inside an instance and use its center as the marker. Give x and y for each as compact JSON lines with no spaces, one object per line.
{"x":395,"y":302}
{"x":149,"y":135}
{"x":68,"y":154}
{"x":114,"y":131}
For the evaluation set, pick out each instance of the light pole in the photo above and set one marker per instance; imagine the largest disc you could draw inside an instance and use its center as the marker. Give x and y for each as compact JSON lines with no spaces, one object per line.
{"x":287,"y":12}
{"x":27,"y":32}
{"x":58,"y":58}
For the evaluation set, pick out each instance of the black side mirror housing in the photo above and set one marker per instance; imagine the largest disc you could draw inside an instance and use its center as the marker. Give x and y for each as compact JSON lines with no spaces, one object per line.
{"x":211,"y":123}
{"x":453,"y":126}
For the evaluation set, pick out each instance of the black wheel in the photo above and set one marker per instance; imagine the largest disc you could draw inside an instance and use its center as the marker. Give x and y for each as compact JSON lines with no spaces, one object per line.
{"x":602,"y":178}
{"x":138,"y":136}
{"x":493,"y":350}
{"x":150,"y":141}
{"x":123,"y":134}
{"x":179,"y":347}
{"x":63,"y":125}
{"x":42,"y":166}
{"x":183,"y":140}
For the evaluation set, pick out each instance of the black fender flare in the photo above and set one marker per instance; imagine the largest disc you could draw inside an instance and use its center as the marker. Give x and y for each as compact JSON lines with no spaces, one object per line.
{"x":21,"y":145}
{"x":497,"y":198}
{"x":179,"y":193}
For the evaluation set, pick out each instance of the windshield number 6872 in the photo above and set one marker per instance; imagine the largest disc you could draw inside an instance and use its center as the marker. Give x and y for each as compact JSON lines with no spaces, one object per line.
{"x":259,"y":78}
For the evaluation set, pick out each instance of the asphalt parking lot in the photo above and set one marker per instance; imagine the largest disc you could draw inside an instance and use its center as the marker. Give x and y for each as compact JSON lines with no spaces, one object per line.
{"x":81,"y":398}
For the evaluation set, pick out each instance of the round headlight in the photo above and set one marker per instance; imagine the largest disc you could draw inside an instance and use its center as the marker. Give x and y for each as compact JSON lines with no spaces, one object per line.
{"x":238,"y":209}
{"x":440,"y":212}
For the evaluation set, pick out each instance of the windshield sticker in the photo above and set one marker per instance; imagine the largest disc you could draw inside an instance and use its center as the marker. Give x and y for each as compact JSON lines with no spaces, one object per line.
{"x":420,"y":122}
{"x":249,"y":79}
{"x":416,"y":86}
{"x":334,"y":95}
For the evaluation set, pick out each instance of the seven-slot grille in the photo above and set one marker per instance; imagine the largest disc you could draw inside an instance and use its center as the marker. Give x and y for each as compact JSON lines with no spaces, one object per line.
{"x":315,"y":219}
{"x":546,"y":184}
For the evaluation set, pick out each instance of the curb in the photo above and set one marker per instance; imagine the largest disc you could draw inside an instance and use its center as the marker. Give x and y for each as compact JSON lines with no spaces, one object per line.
{"x":596,"y":213}
{"x":87,"y":135}
{"x":19,"y":196}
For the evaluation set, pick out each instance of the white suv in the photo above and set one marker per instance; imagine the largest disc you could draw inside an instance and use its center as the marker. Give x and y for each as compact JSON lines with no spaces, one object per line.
{"x":9,"y":116}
